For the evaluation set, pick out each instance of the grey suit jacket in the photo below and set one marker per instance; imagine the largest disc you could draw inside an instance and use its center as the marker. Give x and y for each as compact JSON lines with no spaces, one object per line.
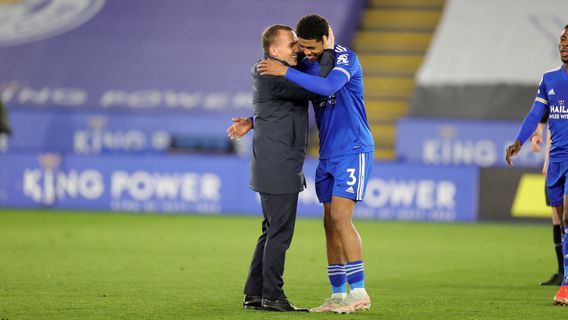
{"x":280,"y":131}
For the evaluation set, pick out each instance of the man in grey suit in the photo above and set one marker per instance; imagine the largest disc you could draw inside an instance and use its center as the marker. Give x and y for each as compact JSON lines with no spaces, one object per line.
{"x":279,"y":149}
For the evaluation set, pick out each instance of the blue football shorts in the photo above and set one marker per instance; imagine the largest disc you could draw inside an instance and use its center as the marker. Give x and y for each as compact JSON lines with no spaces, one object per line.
{"x":344,"y":176}
{"x":556,"y":182}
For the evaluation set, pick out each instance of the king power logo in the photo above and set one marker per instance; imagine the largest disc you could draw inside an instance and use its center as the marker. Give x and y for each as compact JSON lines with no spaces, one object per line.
{"x":51,"y":183}
{"x":98,"y":137}
{"x":47,"y":184}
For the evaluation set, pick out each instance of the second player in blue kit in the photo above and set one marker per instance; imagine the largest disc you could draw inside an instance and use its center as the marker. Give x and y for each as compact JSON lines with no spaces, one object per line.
{"x":552,"y":96}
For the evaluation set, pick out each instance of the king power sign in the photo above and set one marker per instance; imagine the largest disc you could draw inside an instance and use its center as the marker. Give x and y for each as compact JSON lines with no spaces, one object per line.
{"x":192,"y":184}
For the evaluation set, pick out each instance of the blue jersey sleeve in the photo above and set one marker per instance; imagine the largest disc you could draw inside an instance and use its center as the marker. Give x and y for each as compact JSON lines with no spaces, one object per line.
{"x":538,"y":110}
{"x":345,"y":68}
{"x":541,"y":94}
{"x":530,"y":123}
{"x":322,"y":86}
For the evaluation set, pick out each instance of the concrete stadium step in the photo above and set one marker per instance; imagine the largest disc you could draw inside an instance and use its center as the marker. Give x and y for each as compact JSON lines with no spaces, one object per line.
{"x":388,"y":42}
{"x":408,"y":4}
{"x":400,"y":20}
{"x":390,"y":65}
{"x":388,"y":87}
{"x":384,"y":154}
{"x":384,"y":134}
{"x":379,"y":110}
{"x":394,"y":36}
{"x":384,"y":147}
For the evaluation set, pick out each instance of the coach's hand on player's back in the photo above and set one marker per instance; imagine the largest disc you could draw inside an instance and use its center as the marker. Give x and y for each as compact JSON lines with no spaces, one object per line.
{"x":512,"y":150}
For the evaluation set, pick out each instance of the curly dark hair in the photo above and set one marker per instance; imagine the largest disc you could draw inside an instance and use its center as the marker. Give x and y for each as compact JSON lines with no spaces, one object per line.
{"x":312,"y":26}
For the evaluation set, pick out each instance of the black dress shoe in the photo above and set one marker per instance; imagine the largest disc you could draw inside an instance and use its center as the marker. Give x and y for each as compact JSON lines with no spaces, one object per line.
{"x":252,"y":302}
{"x":280,"y":305}
{"x":555,"y":280}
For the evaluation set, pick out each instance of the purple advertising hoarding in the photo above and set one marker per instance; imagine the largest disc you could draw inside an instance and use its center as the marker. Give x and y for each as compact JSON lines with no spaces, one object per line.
{"x":215,"y":184}
{"x":461,"y":142}
{"x":172,"y":55}
{"x":90,"y":133}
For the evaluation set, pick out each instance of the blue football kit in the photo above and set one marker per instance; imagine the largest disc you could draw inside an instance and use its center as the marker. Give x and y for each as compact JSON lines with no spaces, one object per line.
{"x":552,"y":96}
{"x":346,"y":143}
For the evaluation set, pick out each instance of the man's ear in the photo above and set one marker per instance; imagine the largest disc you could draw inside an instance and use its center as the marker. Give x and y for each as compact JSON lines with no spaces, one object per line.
{"x":273,"y":52}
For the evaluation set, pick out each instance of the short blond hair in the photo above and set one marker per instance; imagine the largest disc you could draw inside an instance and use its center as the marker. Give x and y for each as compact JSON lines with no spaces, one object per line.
{"x":270,"y":34}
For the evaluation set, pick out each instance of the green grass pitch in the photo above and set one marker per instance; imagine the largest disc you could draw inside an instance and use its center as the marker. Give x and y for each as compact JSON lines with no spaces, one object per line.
{"x":65,"y":265}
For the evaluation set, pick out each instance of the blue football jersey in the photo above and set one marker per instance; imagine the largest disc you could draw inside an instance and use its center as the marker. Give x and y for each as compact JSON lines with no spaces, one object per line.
{"x":341,"y":118}
{"x":553,"y":94}
{"x":305,"y":65}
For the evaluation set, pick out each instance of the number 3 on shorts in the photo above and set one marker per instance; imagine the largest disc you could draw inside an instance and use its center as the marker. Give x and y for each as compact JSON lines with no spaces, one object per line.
{"x":352,"y":178}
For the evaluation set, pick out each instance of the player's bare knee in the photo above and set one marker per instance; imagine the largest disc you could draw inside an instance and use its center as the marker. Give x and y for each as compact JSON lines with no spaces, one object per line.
{"x":340,"y":219}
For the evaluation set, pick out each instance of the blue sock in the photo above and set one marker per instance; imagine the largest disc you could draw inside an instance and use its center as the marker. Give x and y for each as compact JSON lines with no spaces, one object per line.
{"x":355,"y":274}
{"x":337,"y":278}
{"x":564,"y":253}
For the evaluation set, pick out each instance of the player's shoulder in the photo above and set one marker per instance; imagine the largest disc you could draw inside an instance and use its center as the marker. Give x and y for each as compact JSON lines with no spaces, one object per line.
{"x":339,"y":49}
{"x":345,"y":57}
{"x":553,"y":71}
